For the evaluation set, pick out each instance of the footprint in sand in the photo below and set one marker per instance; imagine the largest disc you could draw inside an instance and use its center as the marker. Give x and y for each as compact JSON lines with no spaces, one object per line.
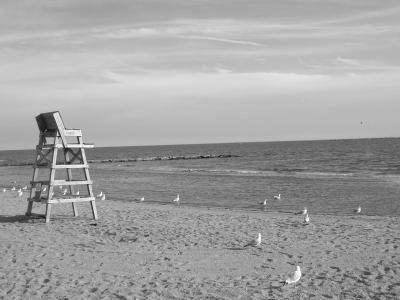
{"x":337,"y":269}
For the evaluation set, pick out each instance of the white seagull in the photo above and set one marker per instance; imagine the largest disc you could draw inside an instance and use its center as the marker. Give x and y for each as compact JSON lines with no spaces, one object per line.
{"x":304,"y":211}
{"x":25,"y":188}
{"x":358,"y":210}
{"x":141,"y":199}
{"x":13,"y":188}
{"x":19,"y":190}
{"x":44,"y":189}
{"x":77,"y":193}
{"x":294,"y":277}
{"x":306,"y":219}
{"x":254,"y":243}
{"x":277,"y":197}
{"x":20,"y":193}
{"x":4,"y":190}
{"x":99,"y":195}
{"x":264,"y":202}
{"x":103,"y":197}
{"x":176,"y":199}
{"x":64,"y":192}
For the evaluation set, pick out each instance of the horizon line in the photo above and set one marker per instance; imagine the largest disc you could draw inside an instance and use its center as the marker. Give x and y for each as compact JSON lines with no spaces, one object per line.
{"x":233,"y":142}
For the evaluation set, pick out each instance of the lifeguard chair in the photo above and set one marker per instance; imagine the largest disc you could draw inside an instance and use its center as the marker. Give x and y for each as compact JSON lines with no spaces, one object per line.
{"x":60,"y":149}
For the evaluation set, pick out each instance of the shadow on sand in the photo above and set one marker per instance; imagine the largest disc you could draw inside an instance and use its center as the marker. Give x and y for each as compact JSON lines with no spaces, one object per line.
{"x":20,"y":218}
{"x":235,"y":248}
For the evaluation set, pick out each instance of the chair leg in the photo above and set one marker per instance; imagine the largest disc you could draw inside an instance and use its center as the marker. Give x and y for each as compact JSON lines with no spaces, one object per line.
{"x":48,"y":210}
{"x":29,"y":210}
{"x":75,"y":209}
{"x":94,"y":210}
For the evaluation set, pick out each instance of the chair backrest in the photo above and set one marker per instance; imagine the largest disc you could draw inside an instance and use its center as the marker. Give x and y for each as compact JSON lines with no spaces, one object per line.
{"x":51,"y":122}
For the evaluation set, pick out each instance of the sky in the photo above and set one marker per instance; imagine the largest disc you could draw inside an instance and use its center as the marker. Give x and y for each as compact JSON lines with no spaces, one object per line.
{"x":152,"y":72}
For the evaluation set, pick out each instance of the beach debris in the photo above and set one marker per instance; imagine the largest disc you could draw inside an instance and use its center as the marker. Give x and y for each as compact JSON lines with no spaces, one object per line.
{"x":254,"y":243}
{"x":176,"y":200}
{"x":99,"y":195}
{"x":294,"y":277}
{"x":103,"y":197}
{"x":304,"y":212}
{"x":358,"y":210}
{"x":20,"y":193}
{"x":60,"y":187}
{"x":306,"y":219}
{"x":264,"y":202}
{"x":4,"y":190}
{"x":277,"y":197}
{"x":141,"y":199}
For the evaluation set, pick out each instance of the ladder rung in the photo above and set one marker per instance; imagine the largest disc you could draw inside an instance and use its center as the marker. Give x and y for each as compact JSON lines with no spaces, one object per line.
{"x":72,"y":182}
{"x":50,"y":146}
{"x":63,"y":182}
{"x":41,"y":147}
{"x":69,"y":200}
{"x":72,"y":166}
{"x":79,"y":146}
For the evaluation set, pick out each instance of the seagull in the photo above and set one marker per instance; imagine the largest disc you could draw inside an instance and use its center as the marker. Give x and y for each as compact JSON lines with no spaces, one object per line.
{"x":358,"y":210}
{"x":25,"y":188}
{"x":103,"y":197}
{"x":64,"y":192}
{"x":277,"y":197}
{"x":44,"y":189}
{"x":77,"y":193}
{"x":20,"y":193}
{"x":306,"y":219}
{"x":141,"y":199}
{"x":4,"y":190}
{"x":60,"y":187}
{"x":294,"y":277}
{"x":99,"y":195}
{"x":254,"y":243}
{"x":176,"y":199}
{"x":19,"y":190}
{"x":13,"y":188}
{"x":304,"y":211}
{"x":264,"y":202}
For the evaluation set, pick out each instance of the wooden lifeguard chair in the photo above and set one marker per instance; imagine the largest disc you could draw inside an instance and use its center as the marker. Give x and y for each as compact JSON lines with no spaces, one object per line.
{"x":60,"y":149}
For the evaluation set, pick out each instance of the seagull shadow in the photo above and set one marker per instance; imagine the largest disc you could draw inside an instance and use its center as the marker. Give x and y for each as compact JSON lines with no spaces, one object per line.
{"x":242,"y":248}
{"x":235,"y":248}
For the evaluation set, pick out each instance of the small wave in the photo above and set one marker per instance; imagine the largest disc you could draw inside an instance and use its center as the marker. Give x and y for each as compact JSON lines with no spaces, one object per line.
{"x":242,"y":172}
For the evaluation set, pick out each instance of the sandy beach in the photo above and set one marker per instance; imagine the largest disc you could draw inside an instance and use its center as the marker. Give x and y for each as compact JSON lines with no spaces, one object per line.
{"x":147,"y":251}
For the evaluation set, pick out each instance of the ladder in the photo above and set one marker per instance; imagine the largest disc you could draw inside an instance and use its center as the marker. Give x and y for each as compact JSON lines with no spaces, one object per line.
{"x":60,"y":149}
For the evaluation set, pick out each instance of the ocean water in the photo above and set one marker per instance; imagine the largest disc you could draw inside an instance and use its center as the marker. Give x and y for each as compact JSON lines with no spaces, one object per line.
{"x":328,"y":177}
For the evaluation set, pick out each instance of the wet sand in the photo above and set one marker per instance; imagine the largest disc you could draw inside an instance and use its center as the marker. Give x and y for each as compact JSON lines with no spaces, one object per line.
{"x":149,"y":251}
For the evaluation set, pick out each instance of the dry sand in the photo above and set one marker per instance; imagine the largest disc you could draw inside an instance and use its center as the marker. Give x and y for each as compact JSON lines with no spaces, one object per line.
{"x":148,"y":251}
